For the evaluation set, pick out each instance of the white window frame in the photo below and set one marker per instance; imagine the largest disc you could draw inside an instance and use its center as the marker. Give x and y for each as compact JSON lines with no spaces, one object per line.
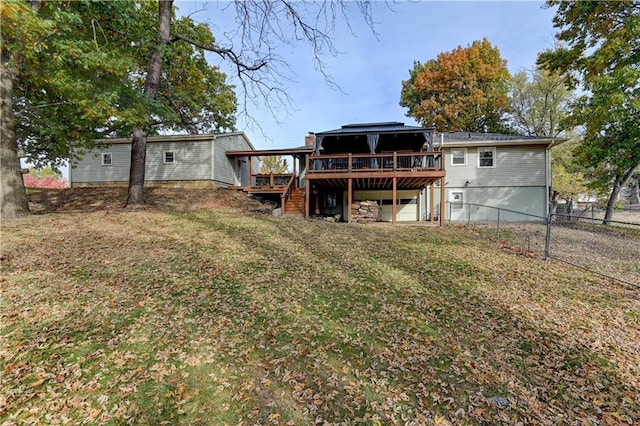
{"x":105,"y":155}
{"x":164,"y":157}
{"x":493,"y":157}
{"x":464,"y":152}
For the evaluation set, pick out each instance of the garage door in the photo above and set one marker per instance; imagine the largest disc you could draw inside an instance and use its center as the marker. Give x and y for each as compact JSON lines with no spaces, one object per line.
{"x":407,"y":210}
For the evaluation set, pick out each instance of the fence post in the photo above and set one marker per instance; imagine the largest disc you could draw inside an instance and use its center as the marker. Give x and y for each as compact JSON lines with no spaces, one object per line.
{"x":547,"y":241}
{"x":498,"y":230}
{"x":449,"y":212}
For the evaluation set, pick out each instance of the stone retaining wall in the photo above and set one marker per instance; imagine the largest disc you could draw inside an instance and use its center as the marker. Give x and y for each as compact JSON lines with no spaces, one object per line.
{"x":364,"y":211}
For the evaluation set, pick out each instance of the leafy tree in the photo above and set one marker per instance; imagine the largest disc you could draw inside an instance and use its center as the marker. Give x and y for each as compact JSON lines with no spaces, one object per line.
{"x":461,"y":90}
{"x":601,"y":54}
{"x":76,"y":73}
{"x":568,"y":180}
{"x":262,"y":25}
{"x":57,"y":72}
{"x":273,"y":164}
{"x":538,"y":103}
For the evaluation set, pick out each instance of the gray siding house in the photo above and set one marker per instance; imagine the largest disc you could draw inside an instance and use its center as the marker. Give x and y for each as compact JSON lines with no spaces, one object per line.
{"x":177,"y":160}
{"x":506,"y":171}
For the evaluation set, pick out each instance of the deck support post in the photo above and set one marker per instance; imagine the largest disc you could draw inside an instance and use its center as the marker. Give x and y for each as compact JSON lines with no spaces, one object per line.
{"x":442,"y":201}
{"x":295,"y":172}
{"x":349,"y":198}
{"x":431,"y":202}
{"x":394,"y":208}
{"x":307,"y":197}
{"x":249,"y":183}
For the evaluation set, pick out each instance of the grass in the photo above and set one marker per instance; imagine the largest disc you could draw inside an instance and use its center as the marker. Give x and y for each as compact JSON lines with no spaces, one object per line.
{"x":215,"y":317}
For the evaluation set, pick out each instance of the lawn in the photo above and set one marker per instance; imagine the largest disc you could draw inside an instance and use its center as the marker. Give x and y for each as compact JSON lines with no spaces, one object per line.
{"x":211,"y":316}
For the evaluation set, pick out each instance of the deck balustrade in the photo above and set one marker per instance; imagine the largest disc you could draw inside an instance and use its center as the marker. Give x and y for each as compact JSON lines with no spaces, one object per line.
{"x":384,"y":162}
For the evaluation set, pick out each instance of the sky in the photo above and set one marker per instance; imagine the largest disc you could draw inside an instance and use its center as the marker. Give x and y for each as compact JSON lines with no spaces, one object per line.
{"x":370,"y":68}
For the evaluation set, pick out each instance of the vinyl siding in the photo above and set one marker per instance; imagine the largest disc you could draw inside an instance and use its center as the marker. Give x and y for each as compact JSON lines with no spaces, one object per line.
{"x":528,"y":200}
{"x":192,"y":162}
{"x":229,"y":171}
{"x":90,"y":169}
{"x":515,"y":166}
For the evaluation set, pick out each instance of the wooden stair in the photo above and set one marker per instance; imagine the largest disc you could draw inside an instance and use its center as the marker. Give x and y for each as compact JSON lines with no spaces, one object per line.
{"x":295,"y":204}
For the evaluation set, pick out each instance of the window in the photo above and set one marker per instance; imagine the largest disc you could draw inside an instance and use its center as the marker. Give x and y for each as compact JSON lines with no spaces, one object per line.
{"x":107,"y":159}
{"x":458,"y":157}
{"x":457,"y":200}
{"x":486,"y":157}
{"x":169,"y":157}
{"x":330,"y":199}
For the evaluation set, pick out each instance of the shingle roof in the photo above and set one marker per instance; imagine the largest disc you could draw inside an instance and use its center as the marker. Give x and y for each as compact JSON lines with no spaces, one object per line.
{"x":478,"y":136}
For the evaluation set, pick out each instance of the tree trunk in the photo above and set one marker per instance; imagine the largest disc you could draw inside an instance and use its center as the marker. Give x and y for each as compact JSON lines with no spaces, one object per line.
{"x":635,"y":192}
{"x":553,"y":202}
{"x":619,"y":183}
{"x":139,"y":141}
{"x":13,"y":196}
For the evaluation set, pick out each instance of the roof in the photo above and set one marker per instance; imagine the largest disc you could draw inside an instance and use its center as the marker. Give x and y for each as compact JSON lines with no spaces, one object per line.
{"x":367,"y":128}
{"x":479,"y":138}
{"x":177,"y":138}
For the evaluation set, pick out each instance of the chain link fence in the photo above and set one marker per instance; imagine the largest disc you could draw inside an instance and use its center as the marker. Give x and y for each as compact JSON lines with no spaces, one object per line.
{"x":611,"y":250}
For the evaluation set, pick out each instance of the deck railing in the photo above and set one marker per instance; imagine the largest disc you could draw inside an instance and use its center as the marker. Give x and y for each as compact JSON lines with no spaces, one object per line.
{"x":286,"y":194}
{"x":386,"y":162}
{"x":272,"y":180}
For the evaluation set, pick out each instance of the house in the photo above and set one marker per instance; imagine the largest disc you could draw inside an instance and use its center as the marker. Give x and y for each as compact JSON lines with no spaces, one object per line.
{"x":510,"y":172}
{"x":359,"y":172}
{"x":177,"y":160}
{"x":393,"y":172}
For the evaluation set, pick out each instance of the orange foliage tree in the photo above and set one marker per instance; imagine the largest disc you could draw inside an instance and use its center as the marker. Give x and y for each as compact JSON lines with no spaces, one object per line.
{"x":462,"y":90}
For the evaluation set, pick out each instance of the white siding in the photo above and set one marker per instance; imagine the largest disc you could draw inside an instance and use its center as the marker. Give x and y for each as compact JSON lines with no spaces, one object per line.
{"x":229,"y":171}
{"x":90,"y":168}
{"x":529,"y":200}
{"x":515,"y":166}
{"x":192,"y":161}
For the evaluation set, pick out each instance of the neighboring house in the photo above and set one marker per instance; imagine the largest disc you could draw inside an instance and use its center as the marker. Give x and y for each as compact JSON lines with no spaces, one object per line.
{"x":406,"y":171}
{"x":178,"y":160}
{"x":511,"y":172}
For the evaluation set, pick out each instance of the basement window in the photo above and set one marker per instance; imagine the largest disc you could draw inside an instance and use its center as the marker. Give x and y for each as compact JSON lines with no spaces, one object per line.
{"x":107,"y":159}
{"x":169,"y":157}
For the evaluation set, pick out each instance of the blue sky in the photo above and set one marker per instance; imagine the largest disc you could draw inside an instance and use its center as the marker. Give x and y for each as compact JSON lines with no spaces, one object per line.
{"x":369,"y":70}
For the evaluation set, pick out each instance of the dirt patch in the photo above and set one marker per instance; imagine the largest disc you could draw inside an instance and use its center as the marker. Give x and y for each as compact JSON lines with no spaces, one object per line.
{"x":43,"y":201}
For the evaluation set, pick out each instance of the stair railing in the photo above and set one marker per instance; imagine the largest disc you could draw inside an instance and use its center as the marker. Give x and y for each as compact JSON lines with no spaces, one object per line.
{"x":286,"y":194}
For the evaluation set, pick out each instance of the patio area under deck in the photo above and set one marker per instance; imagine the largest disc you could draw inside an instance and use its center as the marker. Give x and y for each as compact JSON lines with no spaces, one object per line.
{"x":387,"y":171}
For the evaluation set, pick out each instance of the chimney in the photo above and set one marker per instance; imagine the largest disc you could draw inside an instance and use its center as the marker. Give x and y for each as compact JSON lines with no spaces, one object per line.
{"x":310,"y":140}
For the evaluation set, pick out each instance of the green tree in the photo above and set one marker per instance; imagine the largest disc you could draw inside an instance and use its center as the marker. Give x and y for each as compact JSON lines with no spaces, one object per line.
{"x":180,"y":90}
{"x":461,"y":90}
{"x":73,"y":72}
{"x":538,"y":103}
{"x":568,"y":180}
{"x":262,"y":25}
{"x":273,"y":164}
{"x":57,"y":74}
{"x":601,"y":53}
